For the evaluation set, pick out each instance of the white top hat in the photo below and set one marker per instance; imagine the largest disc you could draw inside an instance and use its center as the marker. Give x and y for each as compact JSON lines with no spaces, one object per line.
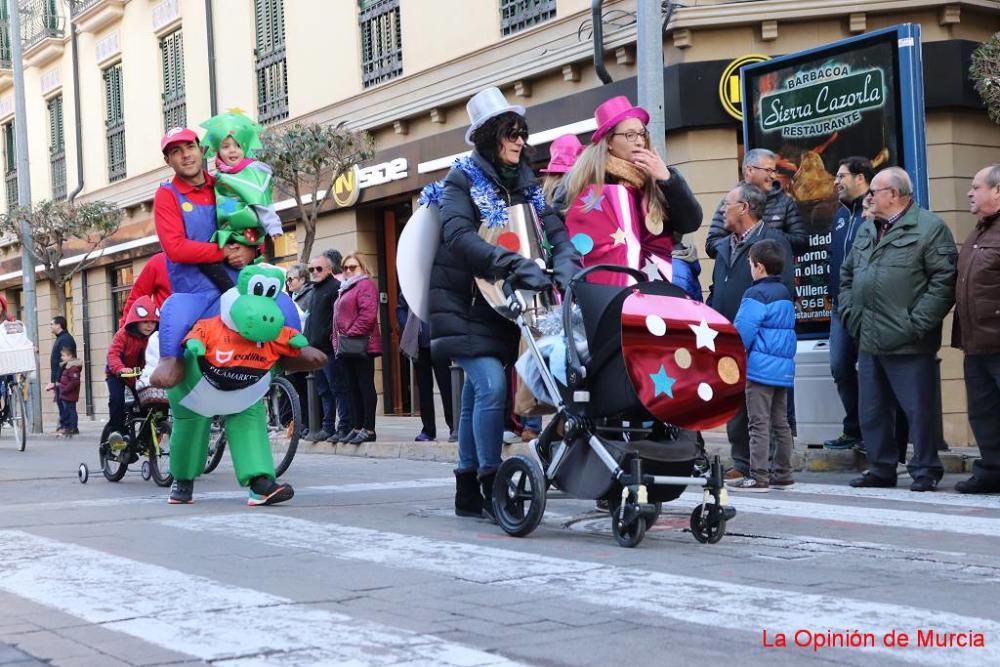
{"x":486,"y":104}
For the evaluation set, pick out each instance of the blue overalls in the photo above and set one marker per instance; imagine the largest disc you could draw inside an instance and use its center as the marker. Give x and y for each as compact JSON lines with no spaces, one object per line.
{"x":194,"y":296}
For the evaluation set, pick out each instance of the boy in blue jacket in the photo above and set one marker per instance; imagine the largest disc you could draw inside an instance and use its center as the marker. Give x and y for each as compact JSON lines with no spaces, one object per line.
{"x":766,"y":322}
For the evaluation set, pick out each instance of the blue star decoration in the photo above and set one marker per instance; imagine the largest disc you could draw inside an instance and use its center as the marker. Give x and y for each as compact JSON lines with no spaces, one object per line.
{"x":592,"y":202}
{"x":663,"y":383}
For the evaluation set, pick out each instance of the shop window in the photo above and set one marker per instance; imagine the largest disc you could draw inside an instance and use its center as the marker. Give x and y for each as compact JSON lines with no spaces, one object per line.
{"x":174,"y":99}
{"x":114,"y":122}
{"x":57,"y":147}
{"x":518,"y":15}
{"x":121,"y":285}
{"x":381,"y":41}
{"x":9,"y":164}
{"x":286,"y":249}
{"x":270,"y":62}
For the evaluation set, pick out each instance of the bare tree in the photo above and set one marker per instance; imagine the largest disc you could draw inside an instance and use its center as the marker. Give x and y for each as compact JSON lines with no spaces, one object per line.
{"x":54,"y":224}
{"x":306,"y":160}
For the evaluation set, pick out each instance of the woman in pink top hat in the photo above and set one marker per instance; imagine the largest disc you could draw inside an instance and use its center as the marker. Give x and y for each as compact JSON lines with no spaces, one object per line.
{"x":625,"y":203}
{"x":562,"y":156}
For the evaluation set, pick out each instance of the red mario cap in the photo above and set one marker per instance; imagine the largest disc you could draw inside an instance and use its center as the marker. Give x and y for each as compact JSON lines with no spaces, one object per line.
{"x":176,"y":134}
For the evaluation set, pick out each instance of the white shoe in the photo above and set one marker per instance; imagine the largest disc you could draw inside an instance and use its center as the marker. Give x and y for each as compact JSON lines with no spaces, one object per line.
{"x":509,"y":437}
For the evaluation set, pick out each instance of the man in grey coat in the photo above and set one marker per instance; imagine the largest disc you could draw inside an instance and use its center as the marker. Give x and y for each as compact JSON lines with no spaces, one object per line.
{"x":896,"y":286}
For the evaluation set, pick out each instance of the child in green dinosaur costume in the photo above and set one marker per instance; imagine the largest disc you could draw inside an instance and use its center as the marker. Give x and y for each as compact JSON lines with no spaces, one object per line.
{"x":243,"y":197}
{"x":228,"y":361}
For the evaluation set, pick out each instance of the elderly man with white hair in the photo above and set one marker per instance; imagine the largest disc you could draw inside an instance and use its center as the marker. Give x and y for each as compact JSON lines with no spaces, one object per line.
{"x":896,"y":286}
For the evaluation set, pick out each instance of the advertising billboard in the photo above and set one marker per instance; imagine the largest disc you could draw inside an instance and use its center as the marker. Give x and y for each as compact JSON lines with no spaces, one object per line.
{"x":857,"y":97}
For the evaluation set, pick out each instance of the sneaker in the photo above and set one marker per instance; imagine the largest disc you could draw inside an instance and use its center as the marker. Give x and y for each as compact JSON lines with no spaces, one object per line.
{"x":603,"y":505}
{"x":782,"y":484}
{"x":733,"y":475}
{"x":347,"y":438}
{"x":976,"y":485}
{"x":860,"y":449}
{"x":116,"y":442}
{"x":749,"y":484}
{"x":362,"y":436}
{"x":342,"y":435}
{"x":870,"y":481}
{"x":453,"y":436}
{"x":181,"y":492}
{"x":319,"y":436}
{"x":901,"y":471}
{"x":527,"y":435}
{"x":924,"y":483}
{"x":842,"y":441}
{"x":423,"y":437}
{"x":265,"y":491}
{"x":509,"y":437}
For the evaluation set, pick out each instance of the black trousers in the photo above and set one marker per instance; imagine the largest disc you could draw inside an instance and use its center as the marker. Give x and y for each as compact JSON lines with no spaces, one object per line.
{"x":116,"y":403}
{"x":982,"y":387}
{"x":907,"y":381}
{"x":361,"y":384}
{"x":427,"y":371}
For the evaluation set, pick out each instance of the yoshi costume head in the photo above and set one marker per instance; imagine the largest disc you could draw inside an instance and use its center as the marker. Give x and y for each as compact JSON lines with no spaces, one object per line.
{"x":228,"y":361}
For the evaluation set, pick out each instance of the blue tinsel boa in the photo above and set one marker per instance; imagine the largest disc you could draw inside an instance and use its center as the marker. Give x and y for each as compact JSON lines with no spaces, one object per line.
{"x":492,"y":208}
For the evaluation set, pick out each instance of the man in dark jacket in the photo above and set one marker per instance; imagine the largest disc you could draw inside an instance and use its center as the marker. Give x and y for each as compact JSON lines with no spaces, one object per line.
{"x":319,"y":325}
{"x":62,"y":339}
{"x":896,"y":286}
{"x":743,"y":207}
{"x":852,"y":179}
{"x":780,"y":213}
{"x":976,"y":328}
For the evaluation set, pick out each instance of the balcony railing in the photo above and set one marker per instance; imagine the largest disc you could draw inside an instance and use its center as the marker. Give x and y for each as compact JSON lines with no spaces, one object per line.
{"x":10,"y":180}
{"x":57,"y":165}
{"x":40,"y":20}
{"x":78,"y":6}
{"x":272,"y":85}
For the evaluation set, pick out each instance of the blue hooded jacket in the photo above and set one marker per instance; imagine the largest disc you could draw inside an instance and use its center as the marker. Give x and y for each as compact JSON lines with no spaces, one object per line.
{"x":846,"y":224}
{"x":766,"y":322}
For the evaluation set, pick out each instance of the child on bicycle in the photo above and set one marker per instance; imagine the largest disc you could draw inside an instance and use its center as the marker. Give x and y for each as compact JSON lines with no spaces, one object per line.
{"x":69,"y":388}
{"x":126,"y":357}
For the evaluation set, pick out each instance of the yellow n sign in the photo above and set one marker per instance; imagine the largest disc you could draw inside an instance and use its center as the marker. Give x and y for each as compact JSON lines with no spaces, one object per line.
{"x":345,"y":188}
{"x":730,"y":93}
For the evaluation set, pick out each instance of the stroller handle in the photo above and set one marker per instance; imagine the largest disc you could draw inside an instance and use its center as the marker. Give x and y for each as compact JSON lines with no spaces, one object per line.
{"x":573,"y":357}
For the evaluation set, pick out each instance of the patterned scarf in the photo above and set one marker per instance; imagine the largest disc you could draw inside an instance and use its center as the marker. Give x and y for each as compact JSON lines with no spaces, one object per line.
{"x":624,"y":170}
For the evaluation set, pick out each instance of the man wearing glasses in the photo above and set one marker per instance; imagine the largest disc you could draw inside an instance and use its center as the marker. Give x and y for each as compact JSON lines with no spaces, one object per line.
{"x":329,"y":383}
{"x":781,"y":211}
{"x":896,"y":286}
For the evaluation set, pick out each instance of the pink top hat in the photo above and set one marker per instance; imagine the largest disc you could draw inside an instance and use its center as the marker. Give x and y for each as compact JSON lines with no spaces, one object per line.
{"x":613,"y":112}
{"x":563,"y":153}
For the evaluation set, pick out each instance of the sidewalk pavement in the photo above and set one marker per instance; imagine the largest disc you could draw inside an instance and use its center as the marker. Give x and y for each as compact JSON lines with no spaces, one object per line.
{"x":396,"y":440}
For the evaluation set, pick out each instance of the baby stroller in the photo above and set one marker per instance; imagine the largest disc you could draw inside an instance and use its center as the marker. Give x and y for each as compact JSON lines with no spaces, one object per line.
{"x":603,"y":442}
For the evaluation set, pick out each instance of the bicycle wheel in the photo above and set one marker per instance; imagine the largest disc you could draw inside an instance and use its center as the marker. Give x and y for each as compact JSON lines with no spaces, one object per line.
{"x":159,"y":455}
{"x":216,"y":444}
{"x":18,"y":420}
{"x":284,"y":421}
{"x":113,"y":463}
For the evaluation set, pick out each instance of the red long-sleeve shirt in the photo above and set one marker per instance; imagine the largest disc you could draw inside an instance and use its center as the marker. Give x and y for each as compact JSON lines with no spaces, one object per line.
{"x":170,"y":223}
{"x":153,"y":281}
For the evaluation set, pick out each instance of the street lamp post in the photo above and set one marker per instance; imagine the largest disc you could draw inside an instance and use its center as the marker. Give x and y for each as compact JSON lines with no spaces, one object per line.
{"x":24,"y":199}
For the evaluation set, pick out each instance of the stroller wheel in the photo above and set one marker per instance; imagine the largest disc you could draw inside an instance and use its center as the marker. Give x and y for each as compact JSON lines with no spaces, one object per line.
{"x":628,"y":525}
{"x":519,"y":495}
{"x":83,"y":473}
{"x":708,"y":523}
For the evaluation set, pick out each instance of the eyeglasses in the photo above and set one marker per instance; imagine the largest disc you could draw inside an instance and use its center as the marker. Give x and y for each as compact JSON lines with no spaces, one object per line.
{"x":291,"y":278}
{"x":734,"y":203}
{"x":632,"y":135}
{"x":770,"y":171}
{"x":874,"y":191}
{"x":514,"y":135}
{"x":317,"y":269}
{"x":351,"y":267}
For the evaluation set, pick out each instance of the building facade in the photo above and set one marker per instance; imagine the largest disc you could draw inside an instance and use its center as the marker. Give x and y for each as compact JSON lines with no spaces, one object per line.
{"x":403,"y":70}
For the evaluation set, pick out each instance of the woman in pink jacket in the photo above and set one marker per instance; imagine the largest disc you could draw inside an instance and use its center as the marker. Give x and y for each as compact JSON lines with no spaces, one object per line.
{"x":355,"y":316}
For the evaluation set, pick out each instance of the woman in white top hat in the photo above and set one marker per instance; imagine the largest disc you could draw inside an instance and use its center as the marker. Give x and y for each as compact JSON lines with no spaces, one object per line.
{"x":464,"y":327}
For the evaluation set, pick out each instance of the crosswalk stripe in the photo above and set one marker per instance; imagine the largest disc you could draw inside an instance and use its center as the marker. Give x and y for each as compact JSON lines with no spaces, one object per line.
{"x":870,"y":516}
{"x":899,"y":495}
{"x":207,"y":619}
{"x":687,"y":599}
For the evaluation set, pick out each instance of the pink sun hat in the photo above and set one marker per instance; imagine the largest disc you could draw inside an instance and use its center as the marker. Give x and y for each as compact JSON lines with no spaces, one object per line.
{"x":613,"y":112}
{"x":563,"y":154}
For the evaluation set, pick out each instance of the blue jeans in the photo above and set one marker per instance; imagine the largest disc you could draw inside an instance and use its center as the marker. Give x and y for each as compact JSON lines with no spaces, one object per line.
{"x":480,"y":425}
{"x":332,"y":387}
{"x":843,"y":367}
{"x":72,"y":419}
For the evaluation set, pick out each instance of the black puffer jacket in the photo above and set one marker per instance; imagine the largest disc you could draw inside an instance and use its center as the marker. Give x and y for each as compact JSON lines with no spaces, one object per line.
{"x":320,"y":320}
{"x":462,"y":323}
{"x":781,"y":213}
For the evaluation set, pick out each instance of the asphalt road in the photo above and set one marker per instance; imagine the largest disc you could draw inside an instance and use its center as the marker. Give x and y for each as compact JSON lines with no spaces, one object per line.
{"x":367,"y":565}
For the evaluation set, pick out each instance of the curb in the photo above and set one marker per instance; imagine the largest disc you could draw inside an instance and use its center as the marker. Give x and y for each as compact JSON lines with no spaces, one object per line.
{"x":804,"y":459}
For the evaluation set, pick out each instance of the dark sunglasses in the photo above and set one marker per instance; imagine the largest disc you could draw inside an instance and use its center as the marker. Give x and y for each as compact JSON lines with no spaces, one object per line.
{"x":351,"y":267}
{"x":514,"y":135}
{"x":316,"y":269}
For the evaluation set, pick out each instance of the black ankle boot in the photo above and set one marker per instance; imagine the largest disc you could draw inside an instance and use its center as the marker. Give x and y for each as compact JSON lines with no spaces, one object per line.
{"x":486,"y":485}
{"x":468,"y":501}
